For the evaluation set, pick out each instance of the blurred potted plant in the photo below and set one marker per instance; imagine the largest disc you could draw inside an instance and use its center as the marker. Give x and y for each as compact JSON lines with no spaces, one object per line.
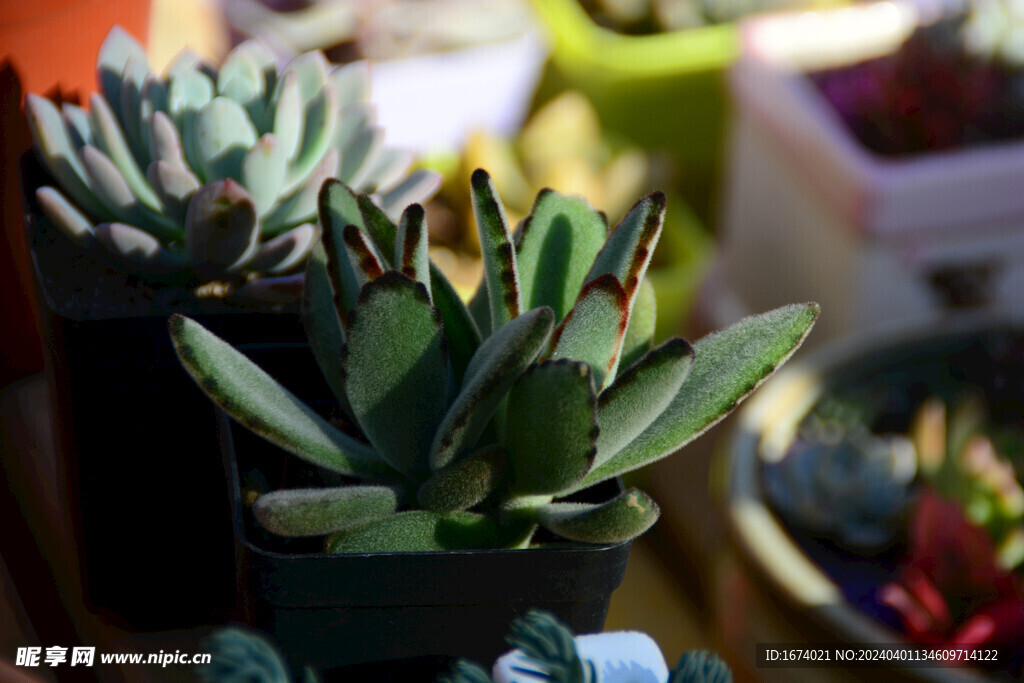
{"x":874,"y":495}
{"x":194,"y":192}
{"x":562,"y":146}
{"x":455,"y":433}
{"x":446,"y":52}
{"x":886,"y":137}
{"x":654,"y":71}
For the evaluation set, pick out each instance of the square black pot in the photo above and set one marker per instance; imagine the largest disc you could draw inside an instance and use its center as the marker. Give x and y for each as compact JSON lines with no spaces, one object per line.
{"x":136,"y":439}
{"x":409,"y":613}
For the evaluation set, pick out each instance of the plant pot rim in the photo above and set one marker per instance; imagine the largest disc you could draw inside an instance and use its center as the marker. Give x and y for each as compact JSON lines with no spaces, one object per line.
{"x":897,"y":197}
{"x":762,"y":540}
{"x":580,"y":43}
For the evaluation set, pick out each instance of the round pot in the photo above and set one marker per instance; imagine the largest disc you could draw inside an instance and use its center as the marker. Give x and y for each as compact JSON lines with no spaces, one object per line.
{"x":770,"y":590}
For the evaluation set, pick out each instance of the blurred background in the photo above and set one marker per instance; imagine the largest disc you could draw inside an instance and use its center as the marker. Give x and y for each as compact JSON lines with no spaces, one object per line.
{"x":866,"y":156}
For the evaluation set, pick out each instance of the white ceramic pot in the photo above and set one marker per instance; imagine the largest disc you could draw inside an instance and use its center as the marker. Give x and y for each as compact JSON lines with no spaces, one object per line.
{"x":810,"y":214}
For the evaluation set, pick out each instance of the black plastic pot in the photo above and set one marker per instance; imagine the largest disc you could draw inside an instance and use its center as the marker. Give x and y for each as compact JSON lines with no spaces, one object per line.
{"x":409,"y":613}
{"x":136,"y":439}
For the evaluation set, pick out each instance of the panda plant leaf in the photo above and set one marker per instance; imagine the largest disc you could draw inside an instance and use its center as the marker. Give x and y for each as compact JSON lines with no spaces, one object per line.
{"x":469,"y":438}
{"x":210,"y":177}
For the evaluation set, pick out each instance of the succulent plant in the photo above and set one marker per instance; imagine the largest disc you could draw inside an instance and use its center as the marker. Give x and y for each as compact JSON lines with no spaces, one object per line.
{"x":954,"y":82}
{"x":547,"y":650}
{"x":472,"y":425}
{"x":848,"y":485}
{"x":242,"y":656}
{"x":211,"y":176}
{"x":960,"y":458}
{"x":563,"y":146}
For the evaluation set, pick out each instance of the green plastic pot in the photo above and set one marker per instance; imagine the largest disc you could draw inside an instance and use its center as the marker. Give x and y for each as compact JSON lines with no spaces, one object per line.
{"x":663,"y":91}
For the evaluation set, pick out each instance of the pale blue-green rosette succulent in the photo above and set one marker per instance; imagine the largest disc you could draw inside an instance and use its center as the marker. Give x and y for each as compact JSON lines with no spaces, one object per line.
{"x":213,"y":174}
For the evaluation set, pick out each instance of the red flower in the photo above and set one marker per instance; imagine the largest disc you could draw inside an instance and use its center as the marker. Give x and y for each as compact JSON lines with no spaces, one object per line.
{"x":950,"y":589}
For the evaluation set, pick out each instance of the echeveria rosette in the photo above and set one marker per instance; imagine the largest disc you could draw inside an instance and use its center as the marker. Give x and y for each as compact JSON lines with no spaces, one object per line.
{"x":473,"y":428}
{"x":211,"y":175}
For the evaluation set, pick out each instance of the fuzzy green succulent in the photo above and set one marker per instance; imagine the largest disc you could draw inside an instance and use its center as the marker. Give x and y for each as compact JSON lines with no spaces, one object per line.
{"x":212,"y":175}
{"x":475,"y":420}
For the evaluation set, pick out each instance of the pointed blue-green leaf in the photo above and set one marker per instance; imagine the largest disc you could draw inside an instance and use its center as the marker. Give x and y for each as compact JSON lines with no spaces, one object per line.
{"x":556,"y":248}
{"x":185,"y":60}
{"x":288,"y":114}
{"x":175,"y":187}
{"x":138,"y":251}
{"x":114,"y":192}
{"x":65,"y":215}
{"x":351,"y":82}
{"x":491,"y":372}
{"x":301,"y":206}
{"x":396,"y":370}
{"x":263,"y":171}
{"x":223,"y":136}
{"x":357,"y":161}
{"x":77,"y":121}
{"x":241,"y":78}
{"x":351,"y":119}
{"x":728,"y":365}
{"x":117,"y":48}
{"x":165,"y":142}
{"x":499,"y":256}
{"x":340,"y":208}
{"x":111,"y":140}
{"x":321,"y":115}
{"x":321,"y":511}
{"x":319,"y":106}
{"x":154,"y":100}
{"x":322,"y":324}
{"x":285,"y":251}
{"x":257,"y":401}
{"x":60,"y":157}
{"x":642,"y":319}
{"x":221,"y":229}
{"x":623,"y":518}
{"x":411,"y":245}
{"x":459,"y":328}
{"x":629,"y":247}
{"x":388,"y":169}
{"x":552,"y":427}
{"x":257,"y":55}
{"x":420,"y":531}
{"x":418,"y":186}
{"x":465,"y":483}
{"x":188,"y":91}
{"x":136,"y":71}
{"x":639,"y":395}
{"x":592,"y":332}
